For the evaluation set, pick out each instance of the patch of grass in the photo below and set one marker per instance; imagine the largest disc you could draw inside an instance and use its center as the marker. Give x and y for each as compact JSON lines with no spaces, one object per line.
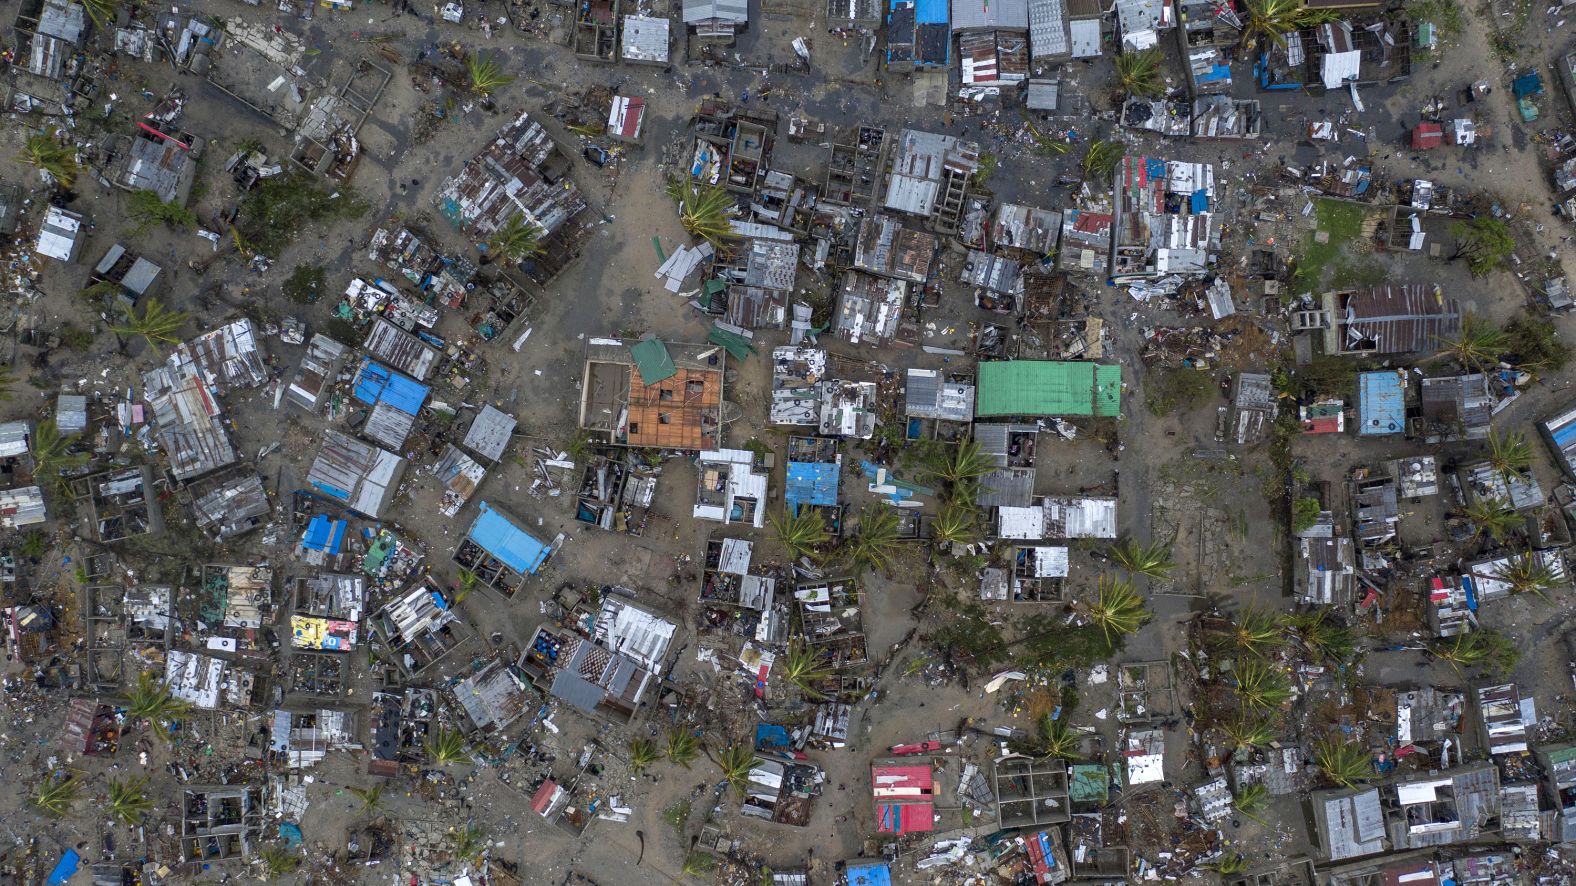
{"x":1446,"y":16}
{"x":1343,"y":222}
{"x":1176,"y":390}
{"x":677,"y":815}
{"x":304,"y":285}
{"x":1355,"y":274}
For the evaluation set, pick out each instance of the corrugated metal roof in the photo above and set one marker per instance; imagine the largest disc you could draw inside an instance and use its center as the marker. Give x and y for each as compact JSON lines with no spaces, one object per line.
{"x":928,"y":395}
{"x":359,"y":475}
{"x":234,"y":505}
{"x":400,"y":349}
{"x":1048,"y":37}
{"x":1044,"y":387}
{"x":15,"y":438}
{"x":734,"y":11}
{"x":229,"y":357}
{"x":59,"y":235}
{"x":22,"y":507}
{"x":1006,"y":487}
{"x":990,"y":14}
{"x":489,"y":433}
{"x":645,"y":39}
{"x":188,"y":421}
{"x":314,"y":378}
{"x":1085,"y":34}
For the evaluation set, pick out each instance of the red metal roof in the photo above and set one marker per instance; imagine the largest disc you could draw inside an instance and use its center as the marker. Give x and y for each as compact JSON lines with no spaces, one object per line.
{"x":1427,"y":136}
{"x":543,"y":796}
{"x":905,"y":818}
{"x":901,"y":780}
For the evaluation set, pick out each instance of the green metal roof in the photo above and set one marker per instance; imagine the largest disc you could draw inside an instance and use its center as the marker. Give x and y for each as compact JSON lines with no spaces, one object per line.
{"x":652,"y":359}
{"x":1088,"y":783}
{"x":737,"y":346}
{"x":1044,"y":387}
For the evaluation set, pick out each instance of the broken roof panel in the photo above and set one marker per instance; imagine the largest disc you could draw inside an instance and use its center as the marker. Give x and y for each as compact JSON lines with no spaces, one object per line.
{"x":519,"y":174}
{"x":400,"y":349}
{"x":314,"y":379}
{"x":231,"y":505}
{"x":652,"y":360}
{"x":188,"y":420}
{"x":228,"y":358}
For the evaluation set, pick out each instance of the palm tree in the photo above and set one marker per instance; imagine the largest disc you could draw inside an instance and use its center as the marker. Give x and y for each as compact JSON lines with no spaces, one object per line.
{"x":803,"y":534}
{"x":371,"y":798}
{"x":1528,"y":574}
{"x":57,"y":792}
{"x":1251,"y":799}
{"x":1492,"y":517}
{"x":54,"y":161}
{"x":705,"y":211}
{"x":519,"y":239}
{"x":1101,"y":159}
{"x":1477,"y":345}
{"x":1247,"y":731}
{"x":1510,"y":454}
{"x":682,"y":746}
{"x":1255,"y":632}
{"x":1272,"y":20}
{"x":151,"y":701}
{"x":1322,"y":636}
{"x":736,"y":761}
{"x":35,"y":544}
{"x":486,"y":74}
{"x":1054,"y":740}
{"x":698,"y":864}
{"x":128,"y":800}
{"x":961,"y":463}
{"x":469,"y":842}
{"x":1260,"y":685}
{"x":1117,"y":608}
{"x":102,"y":12}
{"x":1481,"y":647}
{"x":875,"y":544}
{"x":52,"y":456}
{"x":642,"y":753}
{"x":448,"y":746}
{"x":957,"y":525}
{"x":804,"y":668}
{"x":1152,"y":560}
{"x":278,"y":861}
{"x":1343,"y":762}
{"x":466,"y":586}
{"x":1139,"y":73}
{"x":155,"y":324}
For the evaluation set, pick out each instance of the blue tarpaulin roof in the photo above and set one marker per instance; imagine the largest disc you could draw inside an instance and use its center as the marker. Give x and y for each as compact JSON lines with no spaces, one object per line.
{"x":769,"y":736}
{"x":377,"y":383}
{"x":1527,"y":84}
{"x":512,"y":546}
{"x":929,"y":12}
{"x":869,"y":873}
{"x":1381,"y":403}
{"x":1200,"y":201}
{"x":66,"y":869}
{"x":323,"y":534}
{"x":811,"y":483}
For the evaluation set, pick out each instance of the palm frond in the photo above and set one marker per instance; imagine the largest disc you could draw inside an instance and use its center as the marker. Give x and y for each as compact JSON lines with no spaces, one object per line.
{"x":448,"y":746}
{"x":875,"y":544}
{"x":642,"y":753}
{"x":517,"y":239}
{"x":1492,"y":517}
{"x":57,"y":792}
{"x":129,"y":802}
{"x":486,"y":74}
{"x":1140,"y":73}
{"x":682,"y":746}
{"x":802,"y":535}
{"x":1117,"y":609}
{"x":1260,"y":685}
{"x":736,"y":762}
{"x":1151,"y":560}
{"x":705,"y":211}
{"x":805,"y":668}
{"x":1343,"y":762}
{"x":154,"y":323}
{"x":1509,"y":453}
{"x":57,"y":163}
{"x":957,"y":524}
